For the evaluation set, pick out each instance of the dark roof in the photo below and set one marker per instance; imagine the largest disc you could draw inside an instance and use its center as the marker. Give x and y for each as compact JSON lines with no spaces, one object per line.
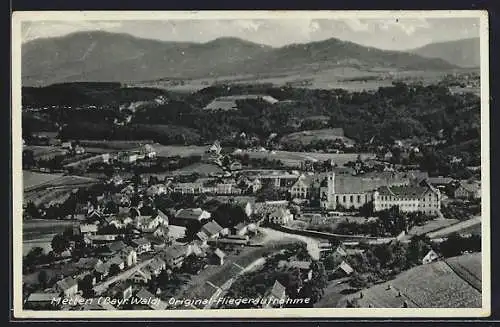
{"x":193,"y":214}
{"x":117,"y":246}
{"x":174,"y":252}
{"x":440,"y":180}
{"x":211,"y":228}
{"x":87,"y":263}
{"x":302,"y":265}
{"x":404,"y":191}
{"x":140,"y":241}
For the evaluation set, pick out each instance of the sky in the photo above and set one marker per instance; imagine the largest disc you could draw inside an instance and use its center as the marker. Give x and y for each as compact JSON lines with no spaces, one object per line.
{"x":391,"y":34}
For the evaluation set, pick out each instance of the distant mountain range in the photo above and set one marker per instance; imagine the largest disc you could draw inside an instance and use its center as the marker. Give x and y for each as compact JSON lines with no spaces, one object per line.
{"x":104,"y":56}
{"x":463,"y":53}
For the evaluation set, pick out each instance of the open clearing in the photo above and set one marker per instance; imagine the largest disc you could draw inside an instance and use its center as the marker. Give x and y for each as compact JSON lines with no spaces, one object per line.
{"x":434,"y":285}
{"x":34,"y":179}
{"x":39,"y":232}
{"x":432,"y":225}
{"x":291,"y":158}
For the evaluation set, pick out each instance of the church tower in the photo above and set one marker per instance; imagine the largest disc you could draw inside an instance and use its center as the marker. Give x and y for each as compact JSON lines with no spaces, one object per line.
{"x":327,"y":192}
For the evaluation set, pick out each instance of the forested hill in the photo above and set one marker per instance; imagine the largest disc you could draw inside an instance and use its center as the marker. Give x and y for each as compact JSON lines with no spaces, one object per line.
{"x":104,"y":56}
{"x":396,"y":112}
{"x":463,"y":53}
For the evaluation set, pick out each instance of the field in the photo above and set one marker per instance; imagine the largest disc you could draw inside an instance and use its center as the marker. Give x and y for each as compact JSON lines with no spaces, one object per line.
{"x":306,"y":137}
{"x":179,"y":150}
{"x":43,"y":189}
{"x":39,"y":232}
{"x":432,"y":225}
{"x":290,"y":158}
{"x":456,"y":228}
{"x":345,"y":77}
{"x":34,"y":179}
{"x":468,"y":267}
{"x":433,"y":285}
{"x":200,"y":168}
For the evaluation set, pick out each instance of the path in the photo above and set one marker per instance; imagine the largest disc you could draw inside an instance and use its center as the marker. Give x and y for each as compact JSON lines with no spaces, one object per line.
{"x":99,"y":288}
{"x":455,"y":228}
{"x":312,"y":243}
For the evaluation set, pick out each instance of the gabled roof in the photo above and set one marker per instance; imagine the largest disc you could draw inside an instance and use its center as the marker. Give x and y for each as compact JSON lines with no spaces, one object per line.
{"x":117,"y":246}
{"x":193,"y":214}
{"x":407,"y":191}
{"x":174,"y":252}
{"x":140,"y":241}
{"x":87,"y":263}
{"x":116,"y":260}
{"x":345,"y":267}
{"x":211,"y":228}
{"x":88,"y":228}
{"x":157,"y":263}
{"x":302,"y":265}
{"x":66,"y":283}
{"x":278,"y":291}
{"x":218,"y":252}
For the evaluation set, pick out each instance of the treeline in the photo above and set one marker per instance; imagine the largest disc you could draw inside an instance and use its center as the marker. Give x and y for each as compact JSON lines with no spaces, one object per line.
{"x":395,"y":112}
{"x":164,"y":134}
{"x":87,"y":93}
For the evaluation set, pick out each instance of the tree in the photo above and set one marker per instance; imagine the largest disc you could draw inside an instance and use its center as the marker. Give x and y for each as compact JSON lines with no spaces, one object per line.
{"x":85,"y":285}
{"x":43,"y":278}
{"x":32,"y":211}
{"x":114,"y":269}
{"x":59,"y":243}
{"x":229,"y":215}
{"x":193,"y":264}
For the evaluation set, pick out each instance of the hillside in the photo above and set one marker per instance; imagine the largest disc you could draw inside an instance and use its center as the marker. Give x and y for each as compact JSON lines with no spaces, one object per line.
{"x":111,"y":57}
{"x":463,"y":53}
{"x":455,"y":283}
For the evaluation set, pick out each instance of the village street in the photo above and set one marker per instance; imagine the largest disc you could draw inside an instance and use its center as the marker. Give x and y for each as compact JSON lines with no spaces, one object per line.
{"x":99,"y":288}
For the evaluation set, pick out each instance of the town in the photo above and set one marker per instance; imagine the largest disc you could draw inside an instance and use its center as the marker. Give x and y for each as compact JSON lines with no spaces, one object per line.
{"x":217,"y":225}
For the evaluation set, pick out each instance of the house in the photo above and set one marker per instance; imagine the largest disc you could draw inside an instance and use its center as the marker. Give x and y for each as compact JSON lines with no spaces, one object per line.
{"x":174,"y":256}
{"x":148,"y":151}
{"x":116,"y":260}
{"x":276,"y":296}
{"x":468,"y":190}
{"x":235,"y":165}
{"x":156,"y":266}
{"x":129,"y":256}
{"x":183,"y":217}
{"x":40,"y":301}
{"x":210,"y":230}
{"x":408,"y":198}
{"x":141,"y":276}
{"x":101,"y":271}
{"x":147,"y":298}
{"x":217,"y":257}
{"x":88,"y":264}
{"x":240,"y":229}
{"x":281,"y":216}
{"x":127,"y":158}
{"x":141,"y":245}
{"x":148,"y":224}
{"x":116,"y":246}
{"x":156,"y":189}
{"x":68,"y":286}
{"x":440,"y":181}
{"x":344,"y":269}
{"x":88,"y":229}
{"x":188,"y":188}
{"x":304,"y":268}
{"x":430,"y":257}
{"x":67,"y":145}
{"x":227,"y":188}
{"x":344,"y":191}
{"x":122,"y":290}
